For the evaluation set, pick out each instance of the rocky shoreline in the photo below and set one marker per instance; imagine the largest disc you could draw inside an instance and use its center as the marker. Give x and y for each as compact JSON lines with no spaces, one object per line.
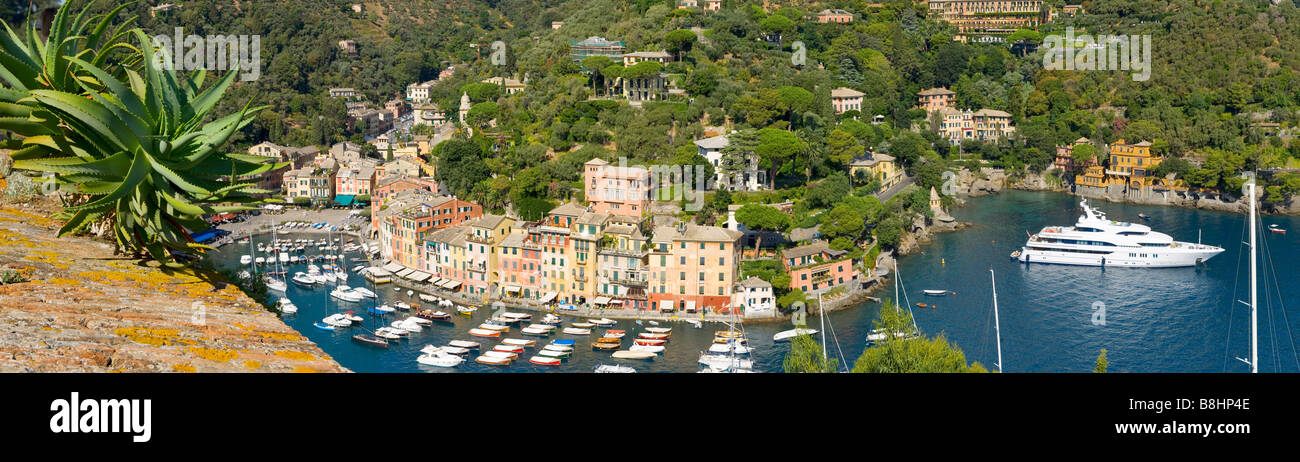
{"x":70,"y":305}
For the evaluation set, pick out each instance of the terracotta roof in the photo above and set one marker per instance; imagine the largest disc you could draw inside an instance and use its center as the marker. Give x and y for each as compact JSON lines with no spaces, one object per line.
{"x":844,"y":92}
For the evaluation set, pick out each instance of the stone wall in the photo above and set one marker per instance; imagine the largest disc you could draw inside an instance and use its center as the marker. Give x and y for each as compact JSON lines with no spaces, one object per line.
{"x":77,"y":307}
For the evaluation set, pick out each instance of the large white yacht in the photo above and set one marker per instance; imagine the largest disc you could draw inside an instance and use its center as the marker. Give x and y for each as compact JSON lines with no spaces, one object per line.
{"x":1097,"y":241}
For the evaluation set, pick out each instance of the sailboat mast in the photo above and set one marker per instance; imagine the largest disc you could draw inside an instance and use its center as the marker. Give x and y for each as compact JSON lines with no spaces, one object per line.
{"x":997,"y":326}
{"x":1254,"y":325}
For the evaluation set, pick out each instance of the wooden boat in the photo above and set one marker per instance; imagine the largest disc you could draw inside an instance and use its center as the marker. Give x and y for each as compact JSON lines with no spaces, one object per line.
{"x":492,"y":361}
{"x":545,"y":361}
{"x":628,"y":354}
{"x":726,"y":334}
{"x":729,"y":340}
{"x":535,"y":331}
{"x":433,"y":315}
{"x":576,"y":331}
{"x":370,"y":340}
{"x":653,"y":336}
{"x":564,"y":341}
{"x":542,"y":326}
{"x":555,"y":354}
{"x":613,"y":340}
{"x":501,"y":354}
{"x":559,"y":348}
{"x":484,"y":333}
{"x":517,"y":317}
{"x":519,"y":342}
{"x":921,"y":305}
{"x":495,"y":327}
{"x":508,"y":348}
{"x":464,"y":344}
{"x":582,"y":325}
{"x":650,"y":342}
{"x":605,"y":346}
{"x":612,"y":333}
{"x":659,"y":330}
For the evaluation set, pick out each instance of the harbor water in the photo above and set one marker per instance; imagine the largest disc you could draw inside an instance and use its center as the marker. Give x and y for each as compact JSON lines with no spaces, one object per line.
{"x":1053,"y":318}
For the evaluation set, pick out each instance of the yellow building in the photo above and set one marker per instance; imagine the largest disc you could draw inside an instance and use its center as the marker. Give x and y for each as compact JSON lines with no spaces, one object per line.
{"x":1129,"y":164}
{"x":1093,"y":176}
{"x":877,"y":167}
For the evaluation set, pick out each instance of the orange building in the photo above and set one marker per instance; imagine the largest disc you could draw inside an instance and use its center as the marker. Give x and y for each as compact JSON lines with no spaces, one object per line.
{"x":816,"y":267}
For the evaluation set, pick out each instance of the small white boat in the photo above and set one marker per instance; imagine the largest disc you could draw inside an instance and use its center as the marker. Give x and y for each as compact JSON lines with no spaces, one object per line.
{"x":407,"y":326}
{"x":728,"y":348}
{"x":337,"y":320}
{"x":364,"y":292}
{"x":695,"y":323}
{"x":410,"y":293}
{"x":495,"y":361}
{"x":389,"y":333}
{"x":647,"y":348}
{"x":555,"y":353}
{"x":603,"y":322}
{"x":615,"y":369}
{"x":629,"y":354}
{"x":464,"y":344}
{"x":935,"y":292}
{"x":545,"y":361}
{"x":788,"y":334}
{"x":536,"y":331}
{"x":385,"y":308}
{"x":561,"y":348}
{"x":345,"y":295}
{"x":455,"y":350}
{"x":576,"y":331}
{"x":659,"y":330}
{"x":484,"y":333}
{"x":274,"y":284}
{"x":519,"y":342}
{"x":428,"y":298}
{"x":245,"y":259}
{"x":403,"y":306}
{"x":494,"y":327}
{"x":723,"y":362}
{"x":286,"y":306}
{"x":440,"y":359}
{"x":582,"y":325}
{"x":419,"y":320}
{"x":352,"y":316}
{"x":500,"y":354}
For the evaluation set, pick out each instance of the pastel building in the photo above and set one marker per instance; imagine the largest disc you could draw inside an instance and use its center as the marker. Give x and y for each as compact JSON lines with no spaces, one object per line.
{"x":747,"y":177}
{"x":622,"y":276}
{"x":693,"y":267}
{"x":934,"y":99}
{"x":816,"y":267}
{"x":519,"y":266}
{"x":483,"y":235}
{"x":846,"y":99}
{"x":755,"y":298}
{"x":983,"y":125}
{"x":835,"y":16}
{"x":616,"y":190}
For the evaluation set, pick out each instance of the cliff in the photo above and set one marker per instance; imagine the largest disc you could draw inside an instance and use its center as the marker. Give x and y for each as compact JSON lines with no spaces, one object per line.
{"x":70,"y":305}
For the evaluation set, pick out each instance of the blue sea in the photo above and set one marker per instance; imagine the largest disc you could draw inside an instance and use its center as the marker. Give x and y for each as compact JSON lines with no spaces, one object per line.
{"x":1155,"y":320}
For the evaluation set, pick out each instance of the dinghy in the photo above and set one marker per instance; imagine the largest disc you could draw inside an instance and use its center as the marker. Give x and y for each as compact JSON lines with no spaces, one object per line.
{"x":536,"y":331}
{"x":649,"y":342}
{"x":629,"y":354}
{"x":559,"y":348}
{"x":545,"y":361}
{"x":648,"y":348}
{"x":508,"y":348}
{"x":519,"y":342}
{"x":602,"y":322}
{"x":464,"y":344}
{"x":935,"y":292}
{"x":582,"y":325}
{"x":615,"y":369}
{"x":484,"y":333}
{"x":576,"y":331}
{"x":501,"y":354}
{"x":555,"y":354}
{"x":492,"y":361}
{"x":659,"y":330}
{"x":786,"y":335}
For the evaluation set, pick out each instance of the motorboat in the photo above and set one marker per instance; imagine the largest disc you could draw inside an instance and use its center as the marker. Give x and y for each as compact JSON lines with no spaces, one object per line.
{"x":878,"y":335}
{"x":501,"y":354}
{"x":653,"y":336}
{"x":383,"y":309}
{"x":786,"y":335}
{"x":403,"y":306}
{"x":629,"y":354}
{"x":407,"y":325}
{"x":286,"y":306}
{"x":605,"y":346}
{"x":419,"y":320}
{"x":370,"y":340}
{"x":337,"y":320}
{"x":322,"y":325}
{"x":536,"y":331}
{"x":1095,"y":240}
{"x":274,"y":284}
{"x":508,"y":348}
{"x":245,"y":259}
{"x":494,"y":327}
{"x":455,"y":350}
{"x":428,"y":298}
{"x":614,"y":333}
{"x":517,"y":317}
{"x":466,"y":310}
{"x":582,"y":325}
{"x":433,"y":315}
{"x":554,"y":347}
{"x":545,"y":361}
{"x":440,"y":359}
{"x":555,"y":354}
{"x":345,"y":295}
{"x":723,"y":348}
{"x":1274,"y":228}
{"x":725,"y":361}
{"x":612,"y":369}
{"x":552,"y":319}
{"x":352,"y":316}
{"x":390,"y":333}
{"x":603,"y":322}
{"x":649,"y":342}
{"x":364,"y":292}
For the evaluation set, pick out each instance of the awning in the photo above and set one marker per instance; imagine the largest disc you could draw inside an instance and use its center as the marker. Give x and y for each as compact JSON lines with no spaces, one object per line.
{"x":392,"y":267}
{"x":404,"y":272}
{"x":418,"y":276}
{"x":377,"y":271}
{"x":512,"y":289}
{"x":601,"y":301}
{"x":344,"y":199}
{"x":548,"y":297}
{"x":204,"y":236}
{"x":690,"y":306}
{"x":616,"y":302}
{"x":666,"y":305}
{"x":453,"y":285}
{"x":437,"y":281}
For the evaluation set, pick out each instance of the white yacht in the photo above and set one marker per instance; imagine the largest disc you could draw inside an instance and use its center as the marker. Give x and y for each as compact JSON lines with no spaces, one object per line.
{"x":1097,"y":241}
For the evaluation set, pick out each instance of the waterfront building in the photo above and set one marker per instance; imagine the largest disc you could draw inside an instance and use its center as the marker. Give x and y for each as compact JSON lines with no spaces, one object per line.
{"x":482,"y":235}
{"x":408,"y":216}
{"x":552,"y":237}
{"x":1128,"y":166}
{"x":581,"y":243}
{"x":352,"y":182}
{"x":693,"y":267}
{"x":518,"y":269}
{"x":816,"y":267}
{"x":984,"y":125}
{"x":622,"y":276}
{"x":846,"y":99}
{"x":876,"y":166}
{"x":617,"y":190}
{"x":755,"y":298}
{"x":596,"y":46}
{"x":444,"y":256}
{"x":835,"y":16}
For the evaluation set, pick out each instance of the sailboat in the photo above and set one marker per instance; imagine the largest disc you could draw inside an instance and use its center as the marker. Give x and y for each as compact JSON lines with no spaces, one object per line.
{"x":730,"y":360}
{"x":997,"y":327}
{"x":1254,"y":321}
{"x":274,"y":283}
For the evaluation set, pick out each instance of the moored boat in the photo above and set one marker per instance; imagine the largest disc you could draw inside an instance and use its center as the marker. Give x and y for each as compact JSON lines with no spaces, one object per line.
{"x":786,"y":335}
{"x":484,"y":333}
{"x":605,"y":346}
{"x":576,"y":331}
{"x":519,"y":342}
{"x":464,"y":344}
{"x":508,"y":348}
{"x":494,"y":361}
{"x":629,"y":354}
{"x":650,"y":342}
{"x":612,"y":369}
{"x":545,"y":361}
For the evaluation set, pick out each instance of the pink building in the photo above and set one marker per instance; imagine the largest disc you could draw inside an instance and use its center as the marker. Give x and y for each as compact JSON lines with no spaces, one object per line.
{"x":836,"y":16}
{"x":934,"y":99}
{"x":354,"y":182}
{"x":519,"y":266}
{"x":846,"y":99}
{"x":816,"y":267}
{"x":616,"y":190}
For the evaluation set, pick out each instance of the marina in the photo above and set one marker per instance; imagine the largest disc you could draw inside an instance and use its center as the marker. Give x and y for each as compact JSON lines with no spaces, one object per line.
{"x":1156,"y":320}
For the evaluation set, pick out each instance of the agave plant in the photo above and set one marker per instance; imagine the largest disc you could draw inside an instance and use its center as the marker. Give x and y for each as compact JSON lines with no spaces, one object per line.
{"x":131,"y":143}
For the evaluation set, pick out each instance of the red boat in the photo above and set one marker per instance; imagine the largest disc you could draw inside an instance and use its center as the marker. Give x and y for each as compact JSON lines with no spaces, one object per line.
{"x":544,"y":361}
{"x":650,"y":342}
{"x":484,"y":333}
{"x":653,"y":336}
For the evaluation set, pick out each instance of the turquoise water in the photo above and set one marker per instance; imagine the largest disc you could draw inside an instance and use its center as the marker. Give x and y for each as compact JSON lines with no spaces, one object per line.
{"x":1157,"y":320}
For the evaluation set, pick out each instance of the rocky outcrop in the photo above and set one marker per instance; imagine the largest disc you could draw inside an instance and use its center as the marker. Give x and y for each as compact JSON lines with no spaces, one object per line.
{"x":70,"y":305}
{"x":987,"y":181}
{"x":923,"y":231}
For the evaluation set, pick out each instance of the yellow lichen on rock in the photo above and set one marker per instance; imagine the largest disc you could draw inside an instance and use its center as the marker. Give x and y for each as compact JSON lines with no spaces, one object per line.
{"x":295,"y":355}
{"x":155,"y":337}
{"x":214,"y":354}
{"x":252,"y":365}
{"x":304,"y":370}
{"x":183,"y":368}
